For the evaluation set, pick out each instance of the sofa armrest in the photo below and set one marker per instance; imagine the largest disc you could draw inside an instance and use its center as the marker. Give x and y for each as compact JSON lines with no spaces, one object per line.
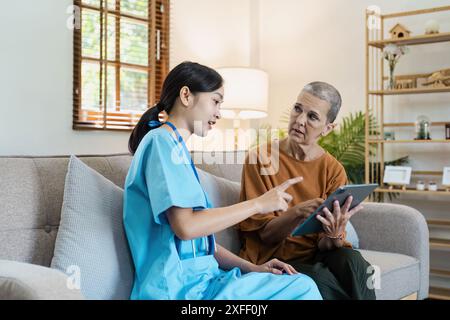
{"x":395,"y":228}
{"x":24,"y":281}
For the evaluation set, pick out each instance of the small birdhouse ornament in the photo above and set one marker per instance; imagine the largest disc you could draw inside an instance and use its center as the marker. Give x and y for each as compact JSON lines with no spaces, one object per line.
{"x":399,"y":32}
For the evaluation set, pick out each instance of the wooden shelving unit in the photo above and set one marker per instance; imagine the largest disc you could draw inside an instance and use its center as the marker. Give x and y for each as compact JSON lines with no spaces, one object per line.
{"x":440,"y":244}
{"x":439,"y":293}
{"x":408,"y":91}
{"x":410,"y":124}
{"x":410,"y":141}
{"x":376,"y":92}
{"x":411,"y":41}
{"x":440,"y":272}
{"x":438,"y":222}
{"x":440,"y":192}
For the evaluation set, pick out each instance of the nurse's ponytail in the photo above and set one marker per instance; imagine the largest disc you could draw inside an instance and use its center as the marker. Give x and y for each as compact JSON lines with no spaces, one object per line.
{"x":143,"y":127}
{"x":197,"y":77}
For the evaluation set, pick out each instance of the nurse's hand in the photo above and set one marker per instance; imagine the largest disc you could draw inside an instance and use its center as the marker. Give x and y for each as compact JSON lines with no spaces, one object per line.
{"x":276,"y":199}
{"x":275,"y":266}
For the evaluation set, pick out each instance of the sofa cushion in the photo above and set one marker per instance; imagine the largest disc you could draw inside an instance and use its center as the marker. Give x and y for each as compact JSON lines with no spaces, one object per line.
{"x":31,"y":195}
{"x":26,"y":281}
{"x":352,"y":236}
{"x":222,"y":193}
{"x":400,"y":274}
{"x":91,"y":240}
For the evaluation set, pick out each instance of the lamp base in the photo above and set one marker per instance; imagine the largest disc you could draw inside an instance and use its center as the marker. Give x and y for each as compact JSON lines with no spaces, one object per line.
{"x":236,"y":125}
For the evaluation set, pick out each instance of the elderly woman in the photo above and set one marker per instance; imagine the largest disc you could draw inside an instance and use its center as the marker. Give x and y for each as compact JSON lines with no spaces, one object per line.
{"x":339,"y":271}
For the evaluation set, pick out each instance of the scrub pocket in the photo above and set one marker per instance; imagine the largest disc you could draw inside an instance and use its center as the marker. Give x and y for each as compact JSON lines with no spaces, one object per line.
{"x":197,"y":274}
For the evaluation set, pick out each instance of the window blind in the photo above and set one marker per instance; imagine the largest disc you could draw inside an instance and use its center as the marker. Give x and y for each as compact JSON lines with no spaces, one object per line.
{"x":121,"y":57}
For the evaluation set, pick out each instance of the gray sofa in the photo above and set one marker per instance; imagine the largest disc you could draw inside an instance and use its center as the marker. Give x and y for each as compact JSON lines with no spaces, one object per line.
{"x":392,"y":237}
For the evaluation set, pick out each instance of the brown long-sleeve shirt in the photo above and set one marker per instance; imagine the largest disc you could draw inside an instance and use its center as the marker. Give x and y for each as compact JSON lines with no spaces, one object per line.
{"x":321,"y":177}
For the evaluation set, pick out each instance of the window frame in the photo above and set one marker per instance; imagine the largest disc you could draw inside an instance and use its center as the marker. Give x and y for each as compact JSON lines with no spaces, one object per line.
{"x":157,"y":21}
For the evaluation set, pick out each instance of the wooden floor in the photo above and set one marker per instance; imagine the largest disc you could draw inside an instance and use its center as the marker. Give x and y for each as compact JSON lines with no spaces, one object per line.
{"x":410,"y":297}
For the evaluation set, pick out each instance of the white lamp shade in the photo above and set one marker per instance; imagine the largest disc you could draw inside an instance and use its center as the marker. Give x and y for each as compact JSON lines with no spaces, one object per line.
{"x":246,"y":93}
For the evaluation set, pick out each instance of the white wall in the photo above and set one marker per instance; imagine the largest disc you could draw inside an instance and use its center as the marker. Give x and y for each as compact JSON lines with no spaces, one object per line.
{"x":307,"y":40}
{"x":212,"y":32}
{"x":36,"y":69}
{"x":304,"y":41}
{"x":36,"y":84}
{"x":217,"y":34}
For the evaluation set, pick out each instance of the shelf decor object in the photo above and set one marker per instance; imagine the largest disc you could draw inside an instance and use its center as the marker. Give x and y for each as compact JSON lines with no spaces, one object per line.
{"x":384,"y":43}
{"x":432,"y":186}
{"x":392,"y":53}
{"x":431,"y":27}
{"x":439,"y":79}
{"x":420,"y":186}
{"x":397,"y":176}
{"x":446,"y":178}
{"x":399,"y":31}
{"x":423,"y":128}
{"x":389,"y":135}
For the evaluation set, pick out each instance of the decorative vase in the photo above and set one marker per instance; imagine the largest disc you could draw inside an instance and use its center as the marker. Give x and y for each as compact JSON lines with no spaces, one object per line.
{"x":391,"y":85}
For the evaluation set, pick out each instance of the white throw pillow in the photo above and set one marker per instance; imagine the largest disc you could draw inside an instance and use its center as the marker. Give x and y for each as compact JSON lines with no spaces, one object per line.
{"x":91,"y":245}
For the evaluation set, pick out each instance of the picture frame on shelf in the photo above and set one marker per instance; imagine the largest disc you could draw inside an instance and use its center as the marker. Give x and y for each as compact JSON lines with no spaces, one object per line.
{"x":447,"y":131}
{"x":446,"y":178}
{"x":397,"y":176}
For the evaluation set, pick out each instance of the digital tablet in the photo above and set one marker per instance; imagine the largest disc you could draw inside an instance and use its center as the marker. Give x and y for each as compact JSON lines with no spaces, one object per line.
{"x":359,"y":193}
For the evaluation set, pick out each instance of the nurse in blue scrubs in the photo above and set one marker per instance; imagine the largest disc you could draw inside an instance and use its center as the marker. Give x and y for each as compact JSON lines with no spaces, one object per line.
{"x":169,"y":220}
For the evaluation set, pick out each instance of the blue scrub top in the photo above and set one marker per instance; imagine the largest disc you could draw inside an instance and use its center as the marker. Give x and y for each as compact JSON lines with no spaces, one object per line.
{"x":160,"y":177}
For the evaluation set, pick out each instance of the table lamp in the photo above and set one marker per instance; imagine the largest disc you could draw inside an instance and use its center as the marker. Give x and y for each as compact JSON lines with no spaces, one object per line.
{"x":246,"y":95}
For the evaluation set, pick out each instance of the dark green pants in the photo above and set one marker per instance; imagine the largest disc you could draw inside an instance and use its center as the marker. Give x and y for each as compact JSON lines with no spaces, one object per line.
{"x":340,"y":274}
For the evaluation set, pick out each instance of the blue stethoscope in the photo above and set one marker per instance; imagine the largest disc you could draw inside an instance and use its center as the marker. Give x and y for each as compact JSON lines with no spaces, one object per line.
{"x":209,"y":241}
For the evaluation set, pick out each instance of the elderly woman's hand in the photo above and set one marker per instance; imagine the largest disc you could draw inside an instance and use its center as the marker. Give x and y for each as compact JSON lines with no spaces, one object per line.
{"x":305,"y":209}
{"x":334,"y":223}
{"x":275,"y":266}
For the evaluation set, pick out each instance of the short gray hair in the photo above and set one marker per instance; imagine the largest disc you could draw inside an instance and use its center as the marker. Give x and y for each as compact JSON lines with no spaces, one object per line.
{"x":328,"y":93}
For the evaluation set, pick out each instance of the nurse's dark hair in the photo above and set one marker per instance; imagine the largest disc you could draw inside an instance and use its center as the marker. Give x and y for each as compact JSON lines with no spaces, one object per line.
{"x":197,"y":77}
